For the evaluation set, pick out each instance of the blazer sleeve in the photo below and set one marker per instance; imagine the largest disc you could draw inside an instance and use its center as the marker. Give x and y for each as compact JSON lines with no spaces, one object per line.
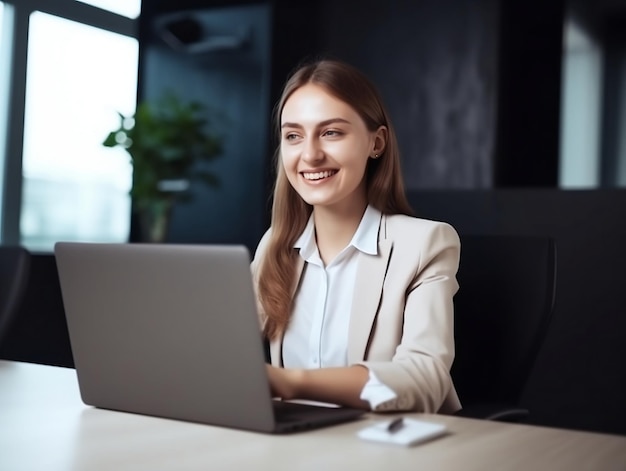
{"x":419,"y":371}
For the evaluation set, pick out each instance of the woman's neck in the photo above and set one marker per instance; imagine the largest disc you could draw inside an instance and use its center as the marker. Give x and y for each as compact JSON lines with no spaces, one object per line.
{"x":334,"y":229}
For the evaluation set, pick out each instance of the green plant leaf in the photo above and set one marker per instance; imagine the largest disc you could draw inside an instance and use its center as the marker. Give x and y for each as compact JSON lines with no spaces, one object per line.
{"x":110,"y":140}
{"x":166,"y":139}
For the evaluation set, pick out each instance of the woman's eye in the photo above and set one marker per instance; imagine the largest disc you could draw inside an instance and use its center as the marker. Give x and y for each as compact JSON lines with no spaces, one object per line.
{"x":332,"y":133}
{"x":290,"y":136}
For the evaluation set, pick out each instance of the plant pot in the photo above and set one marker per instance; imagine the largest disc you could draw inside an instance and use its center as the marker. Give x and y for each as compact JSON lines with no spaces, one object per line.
{"x":155,"y":221}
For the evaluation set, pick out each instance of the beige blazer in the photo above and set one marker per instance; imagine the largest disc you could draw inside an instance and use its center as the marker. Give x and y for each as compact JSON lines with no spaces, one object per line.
{"x":401,"y":324}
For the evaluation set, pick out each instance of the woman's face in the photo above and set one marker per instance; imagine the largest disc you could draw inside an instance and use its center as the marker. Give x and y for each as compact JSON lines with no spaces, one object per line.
{"x":325,"y":147}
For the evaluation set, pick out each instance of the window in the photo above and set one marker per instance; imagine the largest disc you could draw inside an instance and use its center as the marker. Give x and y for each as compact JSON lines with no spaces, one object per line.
{"x":78,"y":78}
{"x":593,"y":99}
{"x":581,"y":99}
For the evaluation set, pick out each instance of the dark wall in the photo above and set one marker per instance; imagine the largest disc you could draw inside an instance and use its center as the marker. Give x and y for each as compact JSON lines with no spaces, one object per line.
{"x":473,"y":86}
{"x":435,"y":64}
{"x":580,"y":377}
{"x":613,"y":170}
{"x":529,"y":96}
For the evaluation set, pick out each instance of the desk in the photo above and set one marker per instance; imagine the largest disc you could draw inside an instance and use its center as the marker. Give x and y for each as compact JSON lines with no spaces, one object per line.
{"x":45,"y":426}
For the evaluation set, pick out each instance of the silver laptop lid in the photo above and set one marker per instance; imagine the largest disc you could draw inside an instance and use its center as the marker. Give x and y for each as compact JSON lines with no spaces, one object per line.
{"x":166,"y":330}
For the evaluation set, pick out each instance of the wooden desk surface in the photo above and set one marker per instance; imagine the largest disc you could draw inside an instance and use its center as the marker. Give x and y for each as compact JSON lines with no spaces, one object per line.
{"x":45,"y":426}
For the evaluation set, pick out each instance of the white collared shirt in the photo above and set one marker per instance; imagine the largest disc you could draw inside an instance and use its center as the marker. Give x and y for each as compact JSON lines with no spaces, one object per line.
{"x":317,"y":335}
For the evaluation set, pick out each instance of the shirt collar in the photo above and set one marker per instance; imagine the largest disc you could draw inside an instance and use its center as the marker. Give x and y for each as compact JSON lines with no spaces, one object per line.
{"x":365,"y":239}
{"x":306,"y":242}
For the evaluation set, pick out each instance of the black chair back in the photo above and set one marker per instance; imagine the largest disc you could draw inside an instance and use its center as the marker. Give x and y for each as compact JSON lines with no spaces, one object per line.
{"x":14,"y":269}
{"x":502,"y":312}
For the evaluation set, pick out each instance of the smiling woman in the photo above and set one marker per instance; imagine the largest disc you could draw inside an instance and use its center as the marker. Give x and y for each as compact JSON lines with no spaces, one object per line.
{"x":355,"y":295}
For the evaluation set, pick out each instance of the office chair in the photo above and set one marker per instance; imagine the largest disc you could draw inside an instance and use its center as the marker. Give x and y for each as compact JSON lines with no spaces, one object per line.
{"x":14,"y":269}
{"x":502,"y":312}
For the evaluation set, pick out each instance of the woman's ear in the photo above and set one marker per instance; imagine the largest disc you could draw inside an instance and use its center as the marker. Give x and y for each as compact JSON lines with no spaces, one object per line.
{"x":380,"y":141}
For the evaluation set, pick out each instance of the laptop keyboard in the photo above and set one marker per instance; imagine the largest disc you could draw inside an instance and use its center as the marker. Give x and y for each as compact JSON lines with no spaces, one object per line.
{"x":291,"y":411}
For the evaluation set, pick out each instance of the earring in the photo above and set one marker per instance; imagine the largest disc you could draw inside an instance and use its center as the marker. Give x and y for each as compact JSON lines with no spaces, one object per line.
{"x":375,"y":156}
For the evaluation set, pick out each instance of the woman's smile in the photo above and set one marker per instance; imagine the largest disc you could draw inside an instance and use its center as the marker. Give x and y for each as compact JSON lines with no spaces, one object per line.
{"x":318,"y":176}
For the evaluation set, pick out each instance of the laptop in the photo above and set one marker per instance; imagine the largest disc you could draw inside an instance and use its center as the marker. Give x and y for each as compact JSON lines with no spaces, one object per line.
{"x":172,"y":331}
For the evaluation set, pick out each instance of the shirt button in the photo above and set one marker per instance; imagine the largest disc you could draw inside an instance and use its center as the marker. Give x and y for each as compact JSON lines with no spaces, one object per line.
{"x":315,"y":361}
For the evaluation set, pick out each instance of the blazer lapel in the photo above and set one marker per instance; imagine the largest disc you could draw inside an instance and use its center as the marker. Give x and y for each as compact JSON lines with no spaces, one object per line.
{"x":276,"y":346}
{"x":368,"y":288}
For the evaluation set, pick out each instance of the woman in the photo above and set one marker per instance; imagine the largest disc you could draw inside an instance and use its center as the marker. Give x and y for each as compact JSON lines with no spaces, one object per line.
{"x":355,"y":295}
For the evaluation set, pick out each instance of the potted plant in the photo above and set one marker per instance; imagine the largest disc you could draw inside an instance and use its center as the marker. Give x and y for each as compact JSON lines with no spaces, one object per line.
{"x":167,"y":141}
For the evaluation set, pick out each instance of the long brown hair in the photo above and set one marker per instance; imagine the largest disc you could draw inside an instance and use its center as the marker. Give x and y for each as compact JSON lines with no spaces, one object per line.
{"x":385,"y":189}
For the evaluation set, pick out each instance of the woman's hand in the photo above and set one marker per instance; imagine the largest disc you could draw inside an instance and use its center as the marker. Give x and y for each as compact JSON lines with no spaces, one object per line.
{"x":334,"y":385}
{"x":284,"y":382}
